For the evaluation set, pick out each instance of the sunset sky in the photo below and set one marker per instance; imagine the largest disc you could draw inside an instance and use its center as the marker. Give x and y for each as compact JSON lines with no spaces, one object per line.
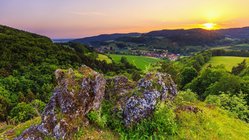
{"x":80,"y":18}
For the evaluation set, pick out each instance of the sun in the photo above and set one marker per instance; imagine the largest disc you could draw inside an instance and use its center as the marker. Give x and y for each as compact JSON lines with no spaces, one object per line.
{"x":209,"y":26}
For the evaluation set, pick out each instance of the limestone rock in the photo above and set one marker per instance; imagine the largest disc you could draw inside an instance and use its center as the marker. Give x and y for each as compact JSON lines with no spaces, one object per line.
{"x":151,"y":90}
{"x":138,"y":100}
{"x":77,"y":93}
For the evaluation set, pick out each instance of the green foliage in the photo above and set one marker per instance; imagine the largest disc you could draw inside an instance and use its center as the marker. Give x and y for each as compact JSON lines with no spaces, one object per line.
{"x":161,"y":125}
{"x":184,"y":97}
{"x":4,"y":108}
{"x":187,"y":68}
{"x":236,"y":70}
{"x":38,"y":106}
{"x":207,"y":77}
{"x":22,"y":112}
{"x":97,"y":118}
{"x":188,"y":74}
{"x":174,"y":69}
{"x":136,"y":75}
{"x":213,"y":100}
{"x":114,"y":118}
{"x":28,"y":63}
{"x":236,"y":104}
{"x":227,"y":83}
{"x":198,"y":60}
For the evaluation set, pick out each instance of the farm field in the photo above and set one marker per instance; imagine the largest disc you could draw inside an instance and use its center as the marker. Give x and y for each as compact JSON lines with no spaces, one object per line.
{"x":235,"y":47}
{"x":228,"y":61}
{"x":141,"y":62}
{"x":102,"y":57}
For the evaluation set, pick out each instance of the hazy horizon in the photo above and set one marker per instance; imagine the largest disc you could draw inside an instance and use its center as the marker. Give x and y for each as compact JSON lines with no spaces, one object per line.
{"x":77,"y":18}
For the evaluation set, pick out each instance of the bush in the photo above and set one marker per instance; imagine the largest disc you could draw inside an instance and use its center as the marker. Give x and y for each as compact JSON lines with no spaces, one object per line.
{"x":186,"y":97}
{"x":97,"y":118}
{"x":236,"y":104}
{"x":213,"y":100}
{"x":38,"y":106}
{"x":22,"y":112}
{"x":160,"y":125}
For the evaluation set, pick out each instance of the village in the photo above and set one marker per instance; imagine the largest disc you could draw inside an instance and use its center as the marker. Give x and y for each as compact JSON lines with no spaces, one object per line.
{"x":157,"y":53}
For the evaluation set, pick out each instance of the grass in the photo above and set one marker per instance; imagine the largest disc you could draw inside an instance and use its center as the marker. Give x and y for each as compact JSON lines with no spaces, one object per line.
{"x":90,"y":132}
{"x":12,"y":131}
{"x":212,"y":123}
{"x":93,"y":133}
{"x":102,"y":57}
{"x":141,"y":62}
{"x":228,"y":61}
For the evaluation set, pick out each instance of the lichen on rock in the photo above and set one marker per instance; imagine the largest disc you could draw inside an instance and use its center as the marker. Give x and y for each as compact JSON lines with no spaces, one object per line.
{"x":138,"y":100}
{"x":77,"y":93}
{"x":154,"y":88}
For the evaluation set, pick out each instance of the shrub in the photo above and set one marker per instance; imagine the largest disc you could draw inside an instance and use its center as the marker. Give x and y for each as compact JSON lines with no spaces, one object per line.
{"x":236,"y":104}
{"x":162,"y":124}
{"x":22,"y":112}
{"x":213,"y":100}
{"x":185,"y":97}
{"x":38,"y":105}
{"x":97,"y":118}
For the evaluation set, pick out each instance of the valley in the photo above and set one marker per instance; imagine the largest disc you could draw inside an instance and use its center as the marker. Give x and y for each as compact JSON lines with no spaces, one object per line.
{"x":145,"y":92}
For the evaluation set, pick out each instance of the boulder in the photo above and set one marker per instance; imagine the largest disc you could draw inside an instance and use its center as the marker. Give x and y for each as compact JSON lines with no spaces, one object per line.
{"x":154,"y":88}
{"x":138,"y":100}
{"x":77,"y":93}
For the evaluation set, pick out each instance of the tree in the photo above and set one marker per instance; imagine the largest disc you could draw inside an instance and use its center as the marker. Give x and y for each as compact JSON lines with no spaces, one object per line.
{"x":228,"y":83}
{"x":236,"y":70}
{"x":124,"y":60}
{"x":136,"y":75}
{"x":173,"y":69}
{"x":207,"y":77}
{"x":188,"y":74}
{"x":22,"y":112}
{"x":4,"y":108}
{"x":38,"y":106}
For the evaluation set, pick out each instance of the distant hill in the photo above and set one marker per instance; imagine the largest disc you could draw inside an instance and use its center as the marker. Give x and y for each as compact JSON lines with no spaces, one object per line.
{"x":61,"y":40}
{"x":180,"y":36}
{"x":104,"y":37}
{"x":236,"y":33}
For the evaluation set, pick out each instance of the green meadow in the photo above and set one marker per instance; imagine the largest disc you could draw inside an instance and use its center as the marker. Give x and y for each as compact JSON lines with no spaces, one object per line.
{"x":102,"y":57}
{"x":141,"y":62}
{"x":228,"y":61}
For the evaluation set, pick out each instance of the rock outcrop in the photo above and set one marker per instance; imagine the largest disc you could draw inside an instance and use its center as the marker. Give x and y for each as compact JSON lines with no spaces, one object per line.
{"x":151,"y":90}
{"x":77,"y":93}
{"x":81,"y":91}
{"x":138,"y":100}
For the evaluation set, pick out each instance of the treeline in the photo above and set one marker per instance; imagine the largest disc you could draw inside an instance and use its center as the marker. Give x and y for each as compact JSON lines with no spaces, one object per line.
{"x":222,"y":52}
{"x":186,"y":69}
{"x":27,"y":66}
{"x":213,"y":83}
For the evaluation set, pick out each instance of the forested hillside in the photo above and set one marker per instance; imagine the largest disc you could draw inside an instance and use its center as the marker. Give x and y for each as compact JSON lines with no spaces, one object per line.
{"x":27,"y":64}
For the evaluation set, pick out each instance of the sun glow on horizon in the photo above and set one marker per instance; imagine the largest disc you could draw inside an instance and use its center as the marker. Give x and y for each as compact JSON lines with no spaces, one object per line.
{"x":209,"y":26}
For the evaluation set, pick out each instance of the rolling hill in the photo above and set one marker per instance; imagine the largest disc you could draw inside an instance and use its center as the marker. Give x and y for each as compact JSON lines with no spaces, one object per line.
{"x":190,"y":36}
